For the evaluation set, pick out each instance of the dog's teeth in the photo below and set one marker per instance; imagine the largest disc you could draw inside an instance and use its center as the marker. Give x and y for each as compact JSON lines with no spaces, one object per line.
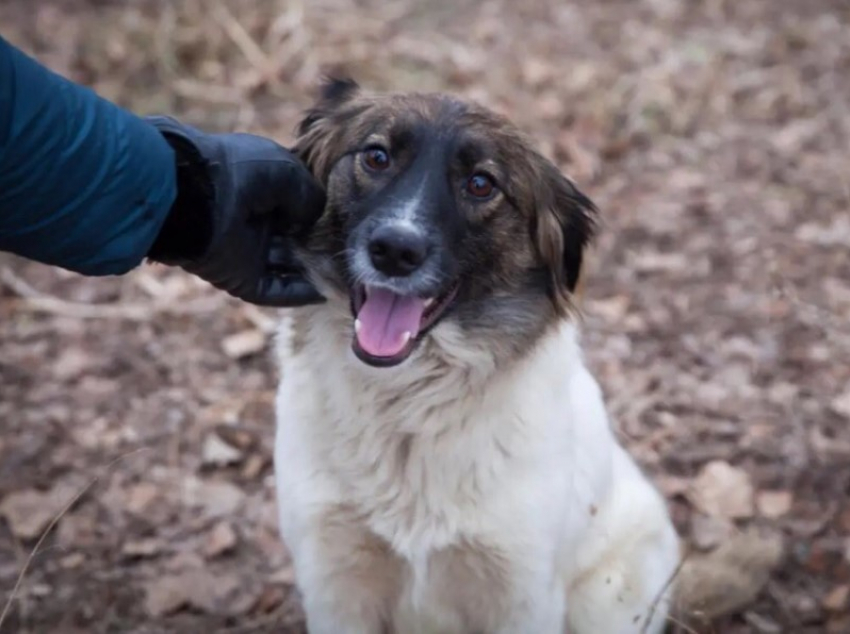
{"x":357,"y":325}
{"x":405,"y":337}
{"x":428,"y":302}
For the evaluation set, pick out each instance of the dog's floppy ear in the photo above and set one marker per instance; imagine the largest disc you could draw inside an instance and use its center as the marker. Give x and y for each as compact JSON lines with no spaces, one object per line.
{"x":315,"y":133}
{"x":564,"y":228}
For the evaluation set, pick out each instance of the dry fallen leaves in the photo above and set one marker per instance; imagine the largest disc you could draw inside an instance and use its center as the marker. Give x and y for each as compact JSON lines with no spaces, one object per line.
{"x":837,"y":599}
{"x":270,"y":598}
{"x":730,"y":577}
{"x":141,"y":496}
{"x":285,"y":575}
{"x":165,"y":595}
{"x":707,"y":532}
{"x":71,"y":363}
{"x":29,"y":512}
{"x":721,"y":490}
{"x":764,"y":86}
{"x":841,"y":404}
{"x":198,"y":588}
{"x":217,"y":452}
{"x":254,"y":466}
{"x":216,"y":498}
{"x":244,"y":343}
{"x":221,"y":539}
{"x":838,"y":625}
{"x":142,"y":547}
{"x":774,"y":504}
{"x":73,"y":560}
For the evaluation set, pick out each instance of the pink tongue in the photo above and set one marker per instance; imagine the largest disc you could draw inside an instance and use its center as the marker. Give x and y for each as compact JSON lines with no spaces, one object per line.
{"x":384,"y":318}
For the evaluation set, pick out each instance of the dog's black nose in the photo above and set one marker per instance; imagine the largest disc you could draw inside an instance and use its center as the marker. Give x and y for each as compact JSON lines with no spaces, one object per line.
{"x":397,"y":251}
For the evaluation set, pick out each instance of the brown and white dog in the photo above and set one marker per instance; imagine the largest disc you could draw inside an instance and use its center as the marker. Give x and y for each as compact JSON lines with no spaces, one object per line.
{"x":444,"y":459}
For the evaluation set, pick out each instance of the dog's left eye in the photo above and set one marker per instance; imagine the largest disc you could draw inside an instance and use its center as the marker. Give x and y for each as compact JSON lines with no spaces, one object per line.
{"x":376,"y":158}
{"x":480,"y":185}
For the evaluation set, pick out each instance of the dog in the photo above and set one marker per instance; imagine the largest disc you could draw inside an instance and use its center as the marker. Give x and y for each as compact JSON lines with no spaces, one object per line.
{"x":444,"y":459}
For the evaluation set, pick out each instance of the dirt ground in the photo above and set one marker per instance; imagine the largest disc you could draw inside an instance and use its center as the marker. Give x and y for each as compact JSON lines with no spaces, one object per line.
{"x":713,"y":134}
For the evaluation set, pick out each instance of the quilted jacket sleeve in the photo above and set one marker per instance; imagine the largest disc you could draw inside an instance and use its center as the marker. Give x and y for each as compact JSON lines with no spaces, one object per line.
{"x":84,"y":184}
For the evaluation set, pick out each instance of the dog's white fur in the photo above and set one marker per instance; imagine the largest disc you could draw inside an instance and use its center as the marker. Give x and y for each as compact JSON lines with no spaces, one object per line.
{"x":450,"y":495}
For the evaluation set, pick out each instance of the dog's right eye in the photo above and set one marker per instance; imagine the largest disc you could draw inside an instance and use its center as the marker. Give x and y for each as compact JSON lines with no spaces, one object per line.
{"x":480,"y":185}
{"x":376,"y":158}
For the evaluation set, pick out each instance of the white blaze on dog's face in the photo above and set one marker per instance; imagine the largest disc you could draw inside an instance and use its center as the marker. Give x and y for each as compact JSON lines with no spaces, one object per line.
{"x":438,"y":210}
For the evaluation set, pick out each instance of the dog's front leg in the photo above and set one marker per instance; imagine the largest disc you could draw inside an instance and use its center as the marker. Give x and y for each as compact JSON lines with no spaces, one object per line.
{"x":628,"y":560}
{"x":539,"y":608}
{"x":348,"y":577}
{"x":494,"y":588}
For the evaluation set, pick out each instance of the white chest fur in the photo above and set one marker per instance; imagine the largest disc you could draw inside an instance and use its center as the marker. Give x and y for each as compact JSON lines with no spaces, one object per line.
{"x":396,"y":487}
{"x":434,"y":451}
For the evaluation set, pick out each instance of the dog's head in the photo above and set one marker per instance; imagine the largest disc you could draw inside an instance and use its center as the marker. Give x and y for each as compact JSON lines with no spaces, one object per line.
{"x":438,"y":211}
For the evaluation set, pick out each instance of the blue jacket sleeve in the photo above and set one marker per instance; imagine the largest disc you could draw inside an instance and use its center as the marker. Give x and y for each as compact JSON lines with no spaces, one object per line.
{"x":84,"y":184}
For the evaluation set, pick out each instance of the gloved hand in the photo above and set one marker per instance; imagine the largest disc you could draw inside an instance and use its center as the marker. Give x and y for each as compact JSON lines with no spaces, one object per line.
{"x":241,"y":201}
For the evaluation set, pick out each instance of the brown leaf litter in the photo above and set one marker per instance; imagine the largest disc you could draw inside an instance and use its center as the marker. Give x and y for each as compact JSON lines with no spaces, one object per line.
{"x":713,"y":135}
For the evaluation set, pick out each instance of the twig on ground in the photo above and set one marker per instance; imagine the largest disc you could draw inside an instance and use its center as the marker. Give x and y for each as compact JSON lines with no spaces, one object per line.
{"x":833,"y":326}
{"x":32,"y":299}
{"x":242,"y":39}
{"x":654,"y":606}
{"x":680,"y":625}
{"x":50,"y":527}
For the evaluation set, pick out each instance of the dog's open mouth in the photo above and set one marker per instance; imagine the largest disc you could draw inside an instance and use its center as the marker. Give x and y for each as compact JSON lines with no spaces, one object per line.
{"x":388,"y":326}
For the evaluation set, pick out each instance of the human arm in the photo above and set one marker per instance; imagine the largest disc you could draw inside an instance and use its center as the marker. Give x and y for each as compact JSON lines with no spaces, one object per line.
{"x":92,"y":188}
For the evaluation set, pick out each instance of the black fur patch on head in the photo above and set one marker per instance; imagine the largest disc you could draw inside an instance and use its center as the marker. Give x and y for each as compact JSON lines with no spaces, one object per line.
{"x":334,"y":91}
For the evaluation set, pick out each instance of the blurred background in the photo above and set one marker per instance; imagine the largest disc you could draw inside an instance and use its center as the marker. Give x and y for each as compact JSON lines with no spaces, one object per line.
{"x":713,"y":134}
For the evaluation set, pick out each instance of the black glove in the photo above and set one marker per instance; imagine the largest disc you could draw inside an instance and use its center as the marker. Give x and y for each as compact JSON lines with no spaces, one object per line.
{"x":241,"y":202}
